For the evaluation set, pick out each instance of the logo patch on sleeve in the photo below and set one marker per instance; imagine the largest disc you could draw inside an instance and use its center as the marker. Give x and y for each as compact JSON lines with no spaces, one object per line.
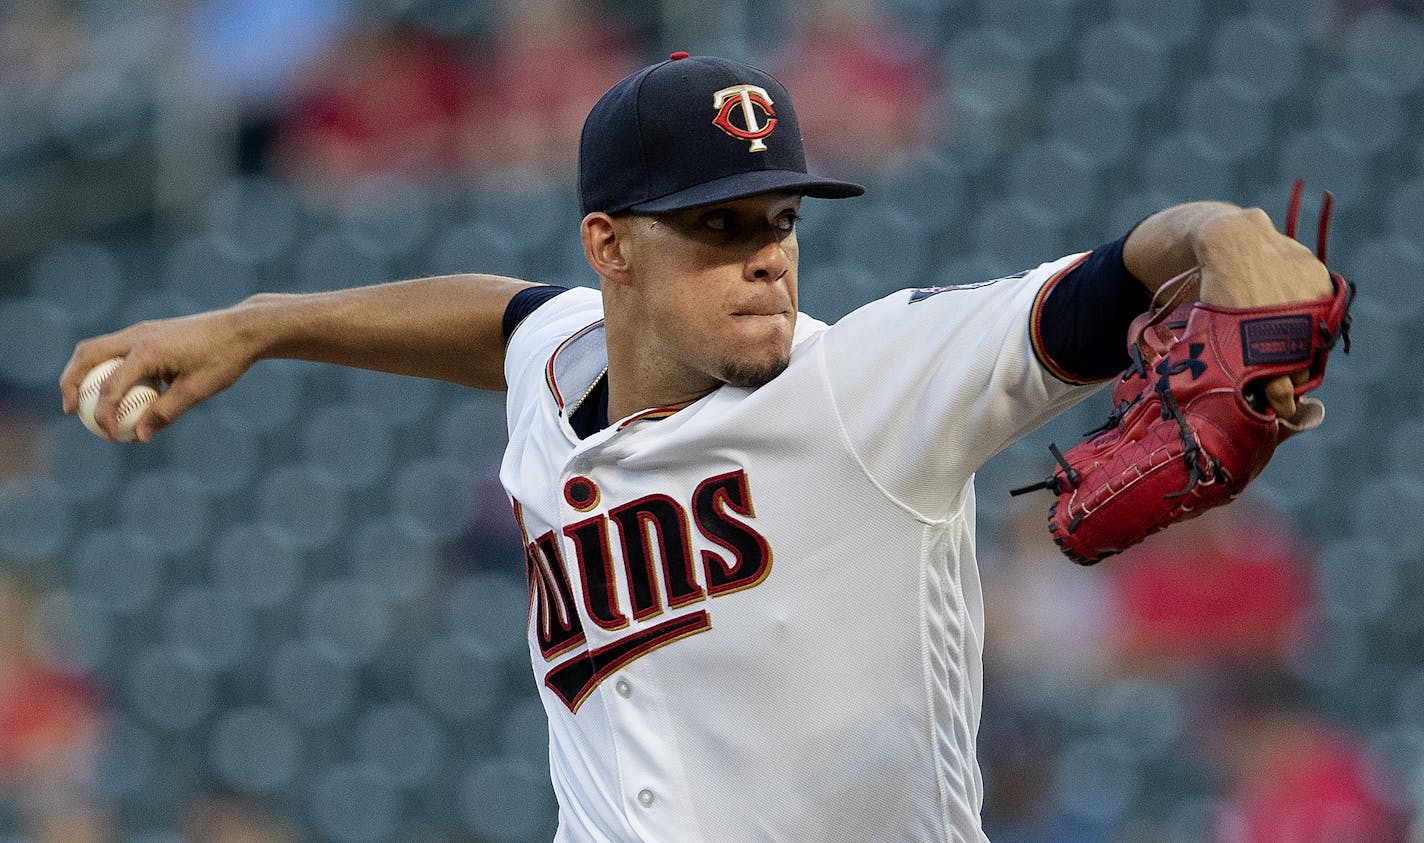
{"x":925,"y":292}
{"x":1275,"y":339}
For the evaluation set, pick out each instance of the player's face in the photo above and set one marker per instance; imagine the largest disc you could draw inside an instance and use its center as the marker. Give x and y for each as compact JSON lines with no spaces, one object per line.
{"x":719,"y":285}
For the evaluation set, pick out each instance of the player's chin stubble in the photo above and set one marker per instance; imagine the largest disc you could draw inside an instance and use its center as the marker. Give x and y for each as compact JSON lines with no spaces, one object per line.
{"x":752,"y":374}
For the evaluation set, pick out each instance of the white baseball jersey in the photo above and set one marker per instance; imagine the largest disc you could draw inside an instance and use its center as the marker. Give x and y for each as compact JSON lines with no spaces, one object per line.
{"x":758,"y":618}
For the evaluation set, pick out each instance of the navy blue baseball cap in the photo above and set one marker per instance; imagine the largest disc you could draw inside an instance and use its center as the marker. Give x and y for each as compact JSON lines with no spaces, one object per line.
{"x":694,"y":130}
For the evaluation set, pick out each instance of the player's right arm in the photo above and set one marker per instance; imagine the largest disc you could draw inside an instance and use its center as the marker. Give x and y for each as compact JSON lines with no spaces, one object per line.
{"x":448,"y":328}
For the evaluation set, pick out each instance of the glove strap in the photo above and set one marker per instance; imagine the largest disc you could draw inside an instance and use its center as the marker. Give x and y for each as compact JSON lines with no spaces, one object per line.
{"x":1167,"y":298}
{"x":1322,"y":232}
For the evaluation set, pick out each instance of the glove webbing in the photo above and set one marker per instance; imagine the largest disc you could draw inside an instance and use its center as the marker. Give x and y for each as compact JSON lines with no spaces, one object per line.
{"x":1192,"y":450}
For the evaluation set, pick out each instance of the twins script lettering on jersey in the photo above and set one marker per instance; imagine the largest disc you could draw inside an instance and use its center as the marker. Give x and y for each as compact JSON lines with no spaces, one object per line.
{"x":661,"y":573}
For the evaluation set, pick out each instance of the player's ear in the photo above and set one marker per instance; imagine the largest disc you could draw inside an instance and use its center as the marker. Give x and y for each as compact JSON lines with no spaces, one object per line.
{"x":604,"y":246}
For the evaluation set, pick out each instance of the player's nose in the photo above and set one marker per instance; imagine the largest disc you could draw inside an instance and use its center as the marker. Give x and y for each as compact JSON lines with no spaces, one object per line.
{"x":769,"y":262}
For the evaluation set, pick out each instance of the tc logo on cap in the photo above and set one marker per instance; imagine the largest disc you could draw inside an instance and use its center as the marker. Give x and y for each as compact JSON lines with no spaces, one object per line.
{"x":750,"y":97}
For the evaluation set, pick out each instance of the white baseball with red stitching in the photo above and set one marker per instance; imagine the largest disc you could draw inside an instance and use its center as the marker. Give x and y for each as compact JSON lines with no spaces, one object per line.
{"x":131,"y":408}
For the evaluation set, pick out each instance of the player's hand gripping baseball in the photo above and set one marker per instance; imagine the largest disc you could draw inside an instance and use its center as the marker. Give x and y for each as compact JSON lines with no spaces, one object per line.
{"x":196,"y":356}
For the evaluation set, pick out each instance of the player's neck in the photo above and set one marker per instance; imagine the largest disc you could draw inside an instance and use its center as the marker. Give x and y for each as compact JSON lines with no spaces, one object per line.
{"x":645,"y":371}
{"x":643,"y":376}
{"x":633,"y":391}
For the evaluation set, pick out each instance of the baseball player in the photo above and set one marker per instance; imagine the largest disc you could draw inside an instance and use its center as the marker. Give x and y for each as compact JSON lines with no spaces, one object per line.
{"x":754,"y":610}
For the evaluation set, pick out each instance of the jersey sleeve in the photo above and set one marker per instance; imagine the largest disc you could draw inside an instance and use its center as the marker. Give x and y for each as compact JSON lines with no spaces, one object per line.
{"x":929,"y":384}
{"x":534,"y":340}
{"x":525,"y":302}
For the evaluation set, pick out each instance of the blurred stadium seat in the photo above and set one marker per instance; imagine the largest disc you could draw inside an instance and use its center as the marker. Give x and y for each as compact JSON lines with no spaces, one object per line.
{"x":1388,"y":507}
{"x":351,"y":442}
{"x":403,"y":741}
{"x":472,"y":429}
{"x":303,"y":502}
{"x":312,"y":681}
{"x":1058,"y":178}
{"x":82,"y":277}
{"x":486,"y":614}
{"x":36,"y":522}
{"x":1179,"y":166}
{"x":349,"y":616}
{"x":254,"y":218}
{"x":267,"y":398}
{"x":1259,"y":54}
{"x":390,"y":399}
{"x":35,"y":333}
{"x":211,"y":624}
{"x":1098,"y":122}
{"x":355,"y":803}
{"x":1227,"y":115}
{"x":1383,"y":44}
{"x":1124,"y":58}
{"x":171,"y":688}
{"x":1358,"y":579}
{"x":433,"y":493}
{"x":506,"y":799}
{"x":1323,"y":157}
{"x":1175,"y":22}
{"x":457,"y":681}
{"x":386,"y":217}
{"x":332,"y":259}
{"x":171,"y":508}
{"x":216,"y":448}
{"x":256,"y":749}
{"x":1362,"y":110}
{"x":394,"y":556}
{"x":259,"y":565}
{"x":209,"y":271}
{"x":118,"y":569}
{"x":990,"y":68}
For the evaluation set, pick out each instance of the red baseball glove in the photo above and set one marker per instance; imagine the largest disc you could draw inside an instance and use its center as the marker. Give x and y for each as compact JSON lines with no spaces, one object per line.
{"x":1190,"y":426}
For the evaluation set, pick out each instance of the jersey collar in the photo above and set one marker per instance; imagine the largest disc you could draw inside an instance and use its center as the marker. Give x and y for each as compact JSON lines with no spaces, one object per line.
{"x":575,"y":367}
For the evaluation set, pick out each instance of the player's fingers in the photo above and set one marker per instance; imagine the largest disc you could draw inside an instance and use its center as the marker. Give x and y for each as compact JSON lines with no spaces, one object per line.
{"x":185,"y":391}
{"x":172,"y":403}
{"x":1280,"y":394}
{"x":87,"y":354}
{"x":106,"y":411}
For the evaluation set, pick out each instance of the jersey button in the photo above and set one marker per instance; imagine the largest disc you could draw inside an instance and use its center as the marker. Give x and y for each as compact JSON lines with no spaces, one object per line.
{"x":623,"y":688}
{"x":645,"y":798}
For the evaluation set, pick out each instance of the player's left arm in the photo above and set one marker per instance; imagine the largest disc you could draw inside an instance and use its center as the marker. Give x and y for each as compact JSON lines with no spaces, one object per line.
{"x":1244,"y":261}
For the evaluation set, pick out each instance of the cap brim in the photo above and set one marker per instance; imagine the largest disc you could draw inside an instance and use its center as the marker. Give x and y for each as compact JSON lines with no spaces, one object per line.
{"x":741,"y":185}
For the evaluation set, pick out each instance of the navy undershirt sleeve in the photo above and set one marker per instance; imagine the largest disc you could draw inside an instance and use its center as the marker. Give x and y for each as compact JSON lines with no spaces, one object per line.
{"x":1084,"y":321}
{"x":525,"y":302}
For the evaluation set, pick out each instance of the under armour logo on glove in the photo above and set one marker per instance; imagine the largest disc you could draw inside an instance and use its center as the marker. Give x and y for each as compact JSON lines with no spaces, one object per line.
{"x":1193,"y":364}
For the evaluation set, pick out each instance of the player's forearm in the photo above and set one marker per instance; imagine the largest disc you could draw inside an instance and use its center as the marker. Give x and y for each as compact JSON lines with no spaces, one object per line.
{"x":448,"y":327}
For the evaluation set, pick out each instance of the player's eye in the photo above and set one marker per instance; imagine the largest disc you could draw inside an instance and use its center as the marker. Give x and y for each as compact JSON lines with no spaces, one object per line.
{"x":786,"y":223}
{"x":717,"y":220}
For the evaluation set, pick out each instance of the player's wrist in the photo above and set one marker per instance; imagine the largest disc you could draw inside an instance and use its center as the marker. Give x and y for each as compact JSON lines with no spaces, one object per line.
{"x":1176,"y":239}
{"x":263,"y":325}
